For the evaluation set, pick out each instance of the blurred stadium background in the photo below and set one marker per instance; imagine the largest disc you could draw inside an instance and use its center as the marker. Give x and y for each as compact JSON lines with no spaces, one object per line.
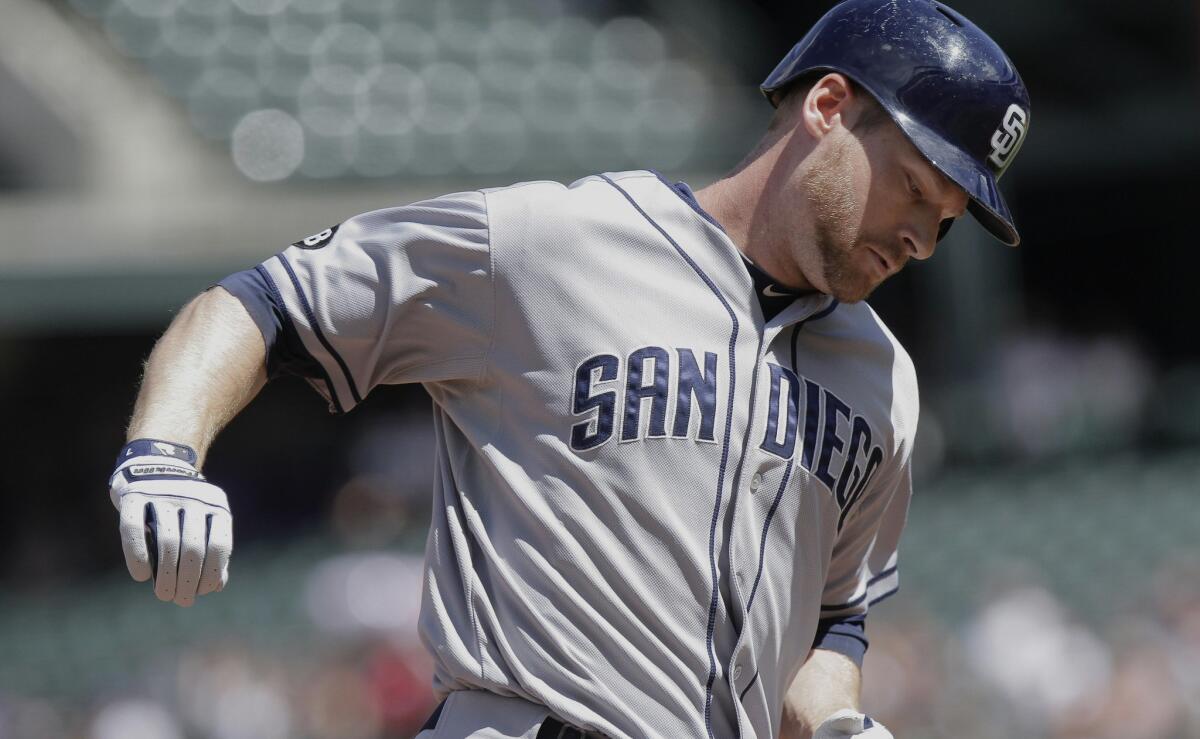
{"x":1051,"y":569}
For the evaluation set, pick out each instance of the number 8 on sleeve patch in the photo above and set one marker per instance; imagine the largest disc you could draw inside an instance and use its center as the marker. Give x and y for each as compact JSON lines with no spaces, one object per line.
{"x":317,"y":240}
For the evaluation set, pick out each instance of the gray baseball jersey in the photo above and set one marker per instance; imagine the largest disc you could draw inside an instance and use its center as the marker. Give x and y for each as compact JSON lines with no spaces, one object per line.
{"x":648,"y":493}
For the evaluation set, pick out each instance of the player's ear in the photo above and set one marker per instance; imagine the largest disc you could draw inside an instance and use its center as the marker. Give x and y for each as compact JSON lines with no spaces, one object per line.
{"x":825,"y":104}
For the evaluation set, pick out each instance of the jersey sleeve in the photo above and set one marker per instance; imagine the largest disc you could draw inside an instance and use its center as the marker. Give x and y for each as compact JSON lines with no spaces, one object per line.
{"x":843,"y":634}
{"x":863,"y":570}
{"x":391,"y":296}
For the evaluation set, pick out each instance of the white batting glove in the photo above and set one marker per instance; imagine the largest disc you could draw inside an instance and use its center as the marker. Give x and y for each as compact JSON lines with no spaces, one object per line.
{"x":175,"y":526}
{"x":850,"y":723}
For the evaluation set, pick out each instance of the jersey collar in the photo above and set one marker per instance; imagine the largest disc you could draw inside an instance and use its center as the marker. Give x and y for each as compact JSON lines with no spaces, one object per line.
{"x":773,"y":298}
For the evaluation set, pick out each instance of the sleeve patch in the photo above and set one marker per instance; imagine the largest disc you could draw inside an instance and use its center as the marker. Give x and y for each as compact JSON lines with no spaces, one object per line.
{"x":317,"y":240}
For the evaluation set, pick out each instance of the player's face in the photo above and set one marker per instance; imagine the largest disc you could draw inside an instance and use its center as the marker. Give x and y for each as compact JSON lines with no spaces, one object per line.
{"x":875,"y":203}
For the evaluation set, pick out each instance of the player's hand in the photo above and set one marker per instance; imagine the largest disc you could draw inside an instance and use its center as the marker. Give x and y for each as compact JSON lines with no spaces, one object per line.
{"x":850,"y":723}
{"x":175,"y":526}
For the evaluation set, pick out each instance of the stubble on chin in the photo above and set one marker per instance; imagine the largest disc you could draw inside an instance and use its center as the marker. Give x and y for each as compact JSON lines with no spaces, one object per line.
{"x":836,"y":243}
{"x":844,"y":280}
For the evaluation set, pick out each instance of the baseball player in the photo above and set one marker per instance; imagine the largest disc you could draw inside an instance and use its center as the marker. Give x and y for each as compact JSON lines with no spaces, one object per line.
{"x":673,"y":444}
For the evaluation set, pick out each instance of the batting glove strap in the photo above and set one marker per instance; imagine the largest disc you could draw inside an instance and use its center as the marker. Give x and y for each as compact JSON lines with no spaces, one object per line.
{"x":142,"y":469}
{"x":157,"y":468}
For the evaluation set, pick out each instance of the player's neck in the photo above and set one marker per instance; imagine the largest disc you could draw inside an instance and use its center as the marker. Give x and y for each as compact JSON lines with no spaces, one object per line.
{"x":739,"y":202}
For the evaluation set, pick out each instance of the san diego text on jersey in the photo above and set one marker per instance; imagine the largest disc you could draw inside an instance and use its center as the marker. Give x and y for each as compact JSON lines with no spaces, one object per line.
{"x":612,"y":392}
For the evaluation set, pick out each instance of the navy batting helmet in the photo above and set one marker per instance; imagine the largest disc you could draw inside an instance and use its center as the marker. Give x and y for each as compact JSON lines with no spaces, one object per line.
{"x":947,"y":85}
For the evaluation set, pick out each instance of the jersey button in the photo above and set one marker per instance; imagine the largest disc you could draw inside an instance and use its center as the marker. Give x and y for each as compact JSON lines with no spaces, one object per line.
{"x":737,"y":672}
{"x":755,"y":482}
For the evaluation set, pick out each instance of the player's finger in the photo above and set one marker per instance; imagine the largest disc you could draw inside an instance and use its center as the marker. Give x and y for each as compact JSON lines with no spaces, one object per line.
{"x":133,"y":536}
{"x":167,"y":517}
{"x":191,"y":554}
{"x":220,"y":547}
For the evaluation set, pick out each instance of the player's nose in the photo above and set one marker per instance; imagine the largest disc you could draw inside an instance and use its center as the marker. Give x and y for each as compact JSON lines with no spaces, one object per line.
{"x":917,"y":244}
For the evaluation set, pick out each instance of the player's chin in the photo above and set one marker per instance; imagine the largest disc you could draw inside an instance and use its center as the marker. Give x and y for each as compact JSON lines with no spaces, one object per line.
{"x":854,"y":290}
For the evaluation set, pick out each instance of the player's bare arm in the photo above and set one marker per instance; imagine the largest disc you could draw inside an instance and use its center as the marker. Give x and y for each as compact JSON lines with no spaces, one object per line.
{"x":827,"y":687}
{"x":207,"y":366}
{"x":175,"y":526}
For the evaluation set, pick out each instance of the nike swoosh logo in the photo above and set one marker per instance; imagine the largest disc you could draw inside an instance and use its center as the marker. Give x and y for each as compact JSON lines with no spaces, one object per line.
{"x":771,"y":292}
